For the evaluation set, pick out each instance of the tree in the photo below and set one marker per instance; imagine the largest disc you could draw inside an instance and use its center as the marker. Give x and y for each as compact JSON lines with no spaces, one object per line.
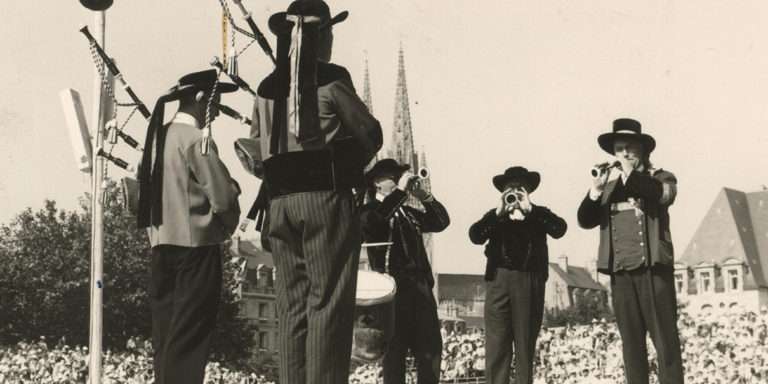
{"x":45,"y":274}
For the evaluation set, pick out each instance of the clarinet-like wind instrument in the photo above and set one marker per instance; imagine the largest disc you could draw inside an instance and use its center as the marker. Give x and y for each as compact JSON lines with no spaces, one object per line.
{"x":116,"y":72}
{"x":263,"y":43}
{"x":235,"y":78}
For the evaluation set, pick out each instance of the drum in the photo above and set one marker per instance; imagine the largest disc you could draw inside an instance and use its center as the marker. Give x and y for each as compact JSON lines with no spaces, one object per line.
{"x":374,"y":324}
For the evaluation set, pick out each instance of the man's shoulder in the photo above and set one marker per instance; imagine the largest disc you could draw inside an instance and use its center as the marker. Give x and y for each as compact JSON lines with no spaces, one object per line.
{"x":327,"y":74}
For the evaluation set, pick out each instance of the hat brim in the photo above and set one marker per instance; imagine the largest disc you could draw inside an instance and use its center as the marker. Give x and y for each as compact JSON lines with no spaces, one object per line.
{"x":223,"y":87}
{"x":279,"y":25}
{"x":606,"y":140}
{"x":377,"y":172}
{"x":531,"y":181}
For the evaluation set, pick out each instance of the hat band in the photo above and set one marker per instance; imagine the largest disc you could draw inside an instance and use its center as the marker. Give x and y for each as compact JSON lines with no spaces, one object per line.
{"x":627,"y":131}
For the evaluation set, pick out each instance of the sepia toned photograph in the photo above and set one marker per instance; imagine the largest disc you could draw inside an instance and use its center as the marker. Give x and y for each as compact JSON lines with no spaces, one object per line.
{"x":384,"y":192}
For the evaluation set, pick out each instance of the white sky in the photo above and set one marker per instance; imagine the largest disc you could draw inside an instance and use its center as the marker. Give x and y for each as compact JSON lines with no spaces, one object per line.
{"x":492,"y":84}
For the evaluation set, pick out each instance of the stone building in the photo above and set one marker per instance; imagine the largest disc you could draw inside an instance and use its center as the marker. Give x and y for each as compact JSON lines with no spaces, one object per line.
{"x":725,"y":264}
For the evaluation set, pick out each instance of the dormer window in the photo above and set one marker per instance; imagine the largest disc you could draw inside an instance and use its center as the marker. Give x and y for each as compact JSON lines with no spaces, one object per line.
{"x":706,"y":282}
{"x":733,"y":276}
{"x":679,"y":282}
{"x":705,"y":278}
{"x":681,"y":279}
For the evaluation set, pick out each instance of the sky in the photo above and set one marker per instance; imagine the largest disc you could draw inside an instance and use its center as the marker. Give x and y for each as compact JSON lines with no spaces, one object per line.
{"x":492,"y":84}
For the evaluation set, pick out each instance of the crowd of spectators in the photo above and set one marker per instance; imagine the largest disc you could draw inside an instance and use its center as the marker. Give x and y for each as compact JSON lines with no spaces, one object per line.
{"x":729,"y":346}
{"x":39,"y":362}
{"x":718,"y":348}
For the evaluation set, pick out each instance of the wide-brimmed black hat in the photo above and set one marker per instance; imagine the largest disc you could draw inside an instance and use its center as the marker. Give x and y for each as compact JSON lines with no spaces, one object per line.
{"x":204,"y":81}
{"x":279,"y":24}
{"x":626,"y":129}
{"x":528,"y":178}
{"x":386,"y":166}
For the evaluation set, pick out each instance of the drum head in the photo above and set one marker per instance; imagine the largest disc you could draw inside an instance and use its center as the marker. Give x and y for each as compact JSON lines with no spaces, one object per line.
{"x":374,"y":288}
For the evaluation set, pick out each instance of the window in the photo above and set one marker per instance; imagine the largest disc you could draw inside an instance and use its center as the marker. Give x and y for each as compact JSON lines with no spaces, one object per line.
{"x":705,"y":279}
{"x":263,"y":341}
{"x":262,"y":310}
{"x":732,"y":279}
{"x":679,"y":282}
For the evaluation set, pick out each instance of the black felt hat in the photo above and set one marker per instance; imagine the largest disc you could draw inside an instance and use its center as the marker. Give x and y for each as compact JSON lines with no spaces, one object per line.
{"x":203,"y":81}
{"x":528,"y":178}
{"x":625,"y":128}
{"x":386,"y":166}
{"x":279,"y":23}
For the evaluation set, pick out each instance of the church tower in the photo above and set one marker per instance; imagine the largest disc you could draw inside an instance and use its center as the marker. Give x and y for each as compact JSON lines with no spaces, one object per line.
{"x":403,"y":148}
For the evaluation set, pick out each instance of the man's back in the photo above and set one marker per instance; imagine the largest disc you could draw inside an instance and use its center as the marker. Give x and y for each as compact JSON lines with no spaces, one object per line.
{"x":199,"y":199}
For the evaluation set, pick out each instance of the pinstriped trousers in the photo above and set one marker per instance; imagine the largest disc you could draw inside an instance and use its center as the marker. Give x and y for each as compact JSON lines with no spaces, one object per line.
{"x":315,"y":239}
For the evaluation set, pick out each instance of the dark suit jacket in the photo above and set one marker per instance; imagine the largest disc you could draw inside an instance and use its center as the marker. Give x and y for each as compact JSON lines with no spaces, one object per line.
{"x":408,"y":243}
{"x":657,"y":189}
{"x":525,"y":241}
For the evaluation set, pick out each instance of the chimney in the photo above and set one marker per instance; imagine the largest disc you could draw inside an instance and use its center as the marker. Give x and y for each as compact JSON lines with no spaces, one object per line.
{"x":562,"y":262}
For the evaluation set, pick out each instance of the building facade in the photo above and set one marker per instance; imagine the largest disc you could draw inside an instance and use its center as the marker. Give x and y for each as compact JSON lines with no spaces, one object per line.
{"x":725,"y":265}
{"x":463,"y":296}
{"x":568,"y":284}
{"x":257,"y":291}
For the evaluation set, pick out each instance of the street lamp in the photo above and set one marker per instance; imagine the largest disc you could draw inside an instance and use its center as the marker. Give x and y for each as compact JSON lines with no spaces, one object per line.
{"x":96,"y":5}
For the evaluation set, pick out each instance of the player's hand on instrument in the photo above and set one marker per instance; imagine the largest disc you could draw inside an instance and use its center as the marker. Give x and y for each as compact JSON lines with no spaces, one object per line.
{"x":407,"y":181}
{"x":598,"y":183}
{"x":523,"y":202}
{"x":503,"y":208}
{"x":419,"y":192}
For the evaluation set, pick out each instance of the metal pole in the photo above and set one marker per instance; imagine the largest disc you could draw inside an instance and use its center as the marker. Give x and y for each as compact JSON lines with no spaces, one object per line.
{"x":97,"y":215}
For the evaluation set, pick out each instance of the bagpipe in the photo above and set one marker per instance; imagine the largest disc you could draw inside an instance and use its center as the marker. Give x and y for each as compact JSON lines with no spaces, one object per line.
{"x":106,"y":66}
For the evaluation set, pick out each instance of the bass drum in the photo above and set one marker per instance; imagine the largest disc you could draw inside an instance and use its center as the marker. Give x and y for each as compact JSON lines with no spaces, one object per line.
{"x":374,"y":316}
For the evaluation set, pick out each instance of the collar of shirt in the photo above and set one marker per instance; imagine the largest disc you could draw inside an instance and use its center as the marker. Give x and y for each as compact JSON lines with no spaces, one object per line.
{"x":185,"y":118}
{"x":624,"y":176}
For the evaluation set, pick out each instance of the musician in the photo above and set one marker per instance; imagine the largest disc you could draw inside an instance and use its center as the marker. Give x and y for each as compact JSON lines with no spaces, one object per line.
{"x":386,"y":219}
{"x":316,"y":136}
{"x":630,"y":205}
{"x":188,"y":203}
{"x":515,"y":234}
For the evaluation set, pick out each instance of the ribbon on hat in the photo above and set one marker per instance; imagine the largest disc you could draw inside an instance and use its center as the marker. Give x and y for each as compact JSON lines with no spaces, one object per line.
{"x":150,"y":176}
{"x":294,"y":53}
{"x":296,"y":109}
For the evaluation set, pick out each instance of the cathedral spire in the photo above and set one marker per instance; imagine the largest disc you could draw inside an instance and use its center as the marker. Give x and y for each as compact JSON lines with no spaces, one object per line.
{"x":367,"y":99}
{"x":402,"y":133}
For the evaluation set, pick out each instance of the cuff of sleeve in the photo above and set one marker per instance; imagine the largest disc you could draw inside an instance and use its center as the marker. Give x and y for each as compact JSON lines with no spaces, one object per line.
{"x":594,"y":194}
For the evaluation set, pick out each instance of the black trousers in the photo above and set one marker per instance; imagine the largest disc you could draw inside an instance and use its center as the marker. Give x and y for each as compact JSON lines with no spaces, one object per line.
{"x":417,"y":328}
{"x":644,"y":302}
{"x":514,"y":310}
{"x":184,"y":291}
{"x":315,"y":239}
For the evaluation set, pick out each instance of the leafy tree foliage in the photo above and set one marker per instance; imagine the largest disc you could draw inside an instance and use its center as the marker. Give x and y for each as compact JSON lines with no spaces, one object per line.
{"x":45,"y":280}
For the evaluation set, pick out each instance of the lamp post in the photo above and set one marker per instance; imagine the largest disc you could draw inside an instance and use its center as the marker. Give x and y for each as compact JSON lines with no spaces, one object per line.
{"x":97,"y":200}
